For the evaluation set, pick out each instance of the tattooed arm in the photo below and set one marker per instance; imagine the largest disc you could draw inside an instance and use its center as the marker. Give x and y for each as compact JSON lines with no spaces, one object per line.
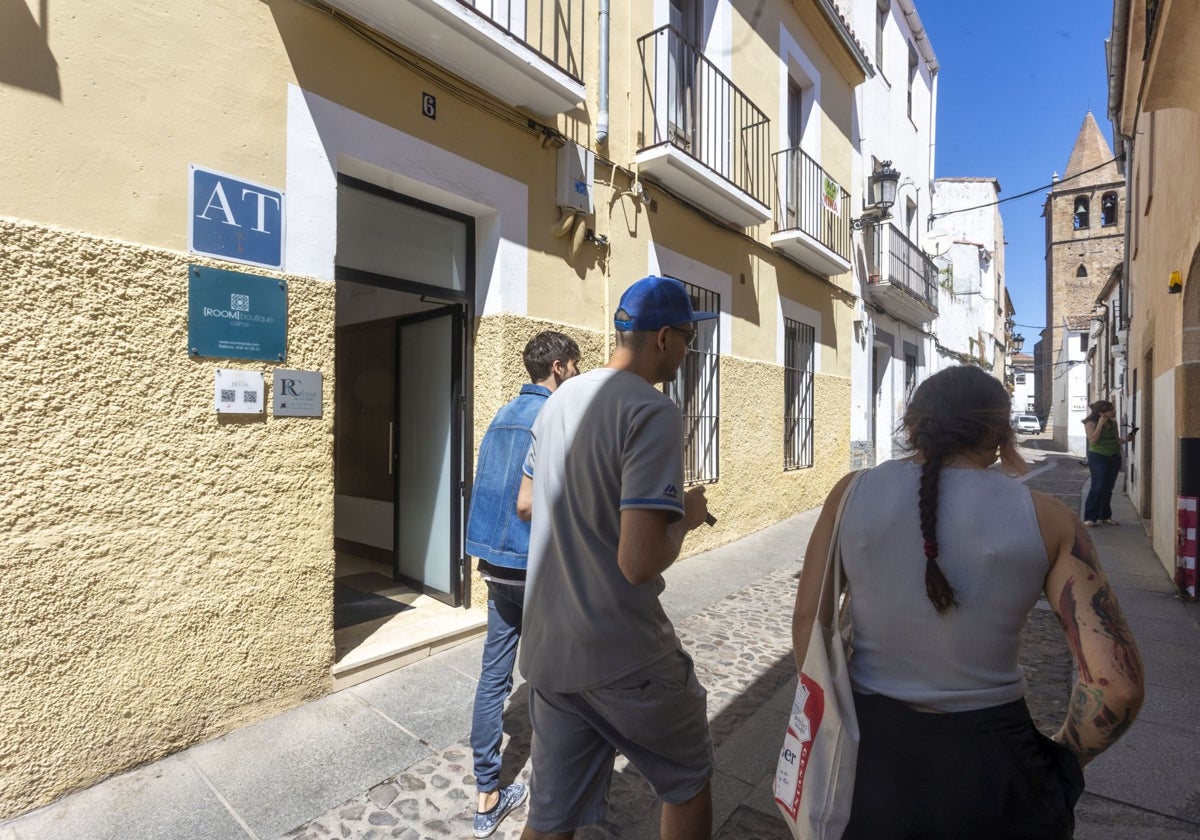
{"x":1108,"y":690}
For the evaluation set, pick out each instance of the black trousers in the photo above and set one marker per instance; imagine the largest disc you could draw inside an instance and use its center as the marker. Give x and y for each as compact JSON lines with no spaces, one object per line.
{"x":980,"y":775}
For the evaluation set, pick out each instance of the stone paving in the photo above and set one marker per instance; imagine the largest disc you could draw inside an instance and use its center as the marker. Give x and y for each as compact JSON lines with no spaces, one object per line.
{"x":742,"y":649}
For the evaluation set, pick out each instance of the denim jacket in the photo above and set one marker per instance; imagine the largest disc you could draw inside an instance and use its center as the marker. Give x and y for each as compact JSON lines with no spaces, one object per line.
{"x":494,"y":532}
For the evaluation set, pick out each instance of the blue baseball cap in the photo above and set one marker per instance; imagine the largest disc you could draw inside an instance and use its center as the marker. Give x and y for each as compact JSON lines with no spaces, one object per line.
{"x":656,"y":302}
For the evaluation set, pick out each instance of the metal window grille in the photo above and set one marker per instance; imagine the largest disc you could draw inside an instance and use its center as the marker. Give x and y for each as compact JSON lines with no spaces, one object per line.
{"x":696,"y":391}
{"x":910,"y":376}
{"x":799,"y":346}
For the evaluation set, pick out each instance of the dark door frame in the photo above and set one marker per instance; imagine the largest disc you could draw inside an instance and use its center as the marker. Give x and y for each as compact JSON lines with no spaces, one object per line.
{"x":463,"y":302}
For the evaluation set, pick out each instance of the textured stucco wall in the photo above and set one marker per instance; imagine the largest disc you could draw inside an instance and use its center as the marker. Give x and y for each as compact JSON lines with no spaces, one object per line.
{"x":499,"y":373}
{"x":753,"y":491}
{"x":167,"y":572}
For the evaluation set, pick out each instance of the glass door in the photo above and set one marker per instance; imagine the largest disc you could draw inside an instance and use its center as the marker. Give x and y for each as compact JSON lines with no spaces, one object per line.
{"x":428,"y":453}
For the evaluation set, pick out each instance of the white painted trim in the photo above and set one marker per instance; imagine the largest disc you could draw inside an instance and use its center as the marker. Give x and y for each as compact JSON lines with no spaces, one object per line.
{"x":794,"y":311}
{"x":793,"y":63}
{"x":664,"y":261}
{"x":324,"y":138}
{"x":716,"y":22}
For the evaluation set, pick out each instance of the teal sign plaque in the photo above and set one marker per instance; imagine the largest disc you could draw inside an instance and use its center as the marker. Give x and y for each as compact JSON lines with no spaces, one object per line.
{"x":236,"y":316}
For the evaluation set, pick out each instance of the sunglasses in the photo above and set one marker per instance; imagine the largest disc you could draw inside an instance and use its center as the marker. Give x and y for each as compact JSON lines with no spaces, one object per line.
{"x":691,"y":334}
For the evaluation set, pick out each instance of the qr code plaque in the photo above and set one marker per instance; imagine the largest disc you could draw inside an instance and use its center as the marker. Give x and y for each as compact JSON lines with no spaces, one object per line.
{"x":238,"y":392}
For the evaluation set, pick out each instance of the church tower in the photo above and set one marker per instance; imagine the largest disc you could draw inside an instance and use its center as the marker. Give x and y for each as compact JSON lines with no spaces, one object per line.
{"x":1085,"y":239}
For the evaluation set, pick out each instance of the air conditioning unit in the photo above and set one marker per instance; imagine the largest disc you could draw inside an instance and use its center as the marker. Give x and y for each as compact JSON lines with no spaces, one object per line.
{"x":1121,"y":338}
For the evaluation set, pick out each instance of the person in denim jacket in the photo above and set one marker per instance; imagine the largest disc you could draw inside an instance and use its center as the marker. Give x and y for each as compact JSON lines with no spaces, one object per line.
{"x":500,"y":540}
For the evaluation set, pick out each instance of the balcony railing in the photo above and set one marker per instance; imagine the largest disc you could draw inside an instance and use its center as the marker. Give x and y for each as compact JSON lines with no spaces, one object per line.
{"x":551,"y":28}
{"x":900,"y":263}
{"x":689,"y":104}
{"x":527,"y":53}
{"x":809,"y":201}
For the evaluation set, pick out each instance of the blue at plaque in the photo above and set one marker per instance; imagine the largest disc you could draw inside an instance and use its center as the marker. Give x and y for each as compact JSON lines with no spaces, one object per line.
{"x":234,"y":219}
{"x":236,"y":316}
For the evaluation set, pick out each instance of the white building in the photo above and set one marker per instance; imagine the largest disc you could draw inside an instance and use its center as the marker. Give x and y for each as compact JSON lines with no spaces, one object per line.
{"x":969,"y":233}
{"x":1070,"y":385}
{"x":1023,"y":384}
{"x":895,"y":279}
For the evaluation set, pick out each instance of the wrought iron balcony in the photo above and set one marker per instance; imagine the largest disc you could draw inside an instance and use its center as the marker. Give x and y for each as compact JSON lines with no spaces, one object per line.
{"x":699,"y":134}
{"x":901,"y":278}
{"x":525,"y":52}
{"x":812,"y":214}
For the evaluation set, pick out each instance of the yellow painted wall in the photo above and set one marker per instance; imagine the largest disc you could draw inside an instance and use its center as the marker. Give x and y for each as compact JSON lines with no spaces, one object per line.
{"x":1163,"y":238}
{"x":754,"y":491}
{"x":167,"y":571}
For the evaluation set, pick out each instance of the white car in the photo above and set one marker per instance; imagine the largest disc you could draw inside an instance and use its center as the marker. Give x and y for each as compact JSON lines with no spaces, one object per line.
{"x":1027,"y":424}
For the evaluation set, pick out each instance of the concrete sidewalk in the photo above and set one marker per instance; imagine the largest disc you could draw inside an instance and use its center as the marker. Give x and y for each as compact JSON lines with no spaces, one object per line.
{"x":1148,"y":784}
{"x":389,"y":758}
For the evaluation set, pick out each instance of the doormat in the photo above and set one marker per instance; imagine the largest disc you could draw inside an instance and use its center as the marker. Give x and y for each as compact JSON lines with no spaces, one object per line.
{"x":351,"y":606}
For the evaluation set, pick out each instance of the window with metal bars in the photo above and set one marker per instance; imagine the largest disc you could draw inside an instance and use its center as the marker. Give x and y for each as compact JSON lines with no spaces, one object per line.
{"x":799,"y":346}
{"x":695,"y":390}
{"x":910,"y":376}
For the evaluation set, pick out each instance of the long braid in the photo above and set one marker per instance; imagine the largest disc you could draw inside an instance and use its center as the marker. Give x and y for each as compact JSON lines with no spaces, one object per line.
{"x":940,"y":593}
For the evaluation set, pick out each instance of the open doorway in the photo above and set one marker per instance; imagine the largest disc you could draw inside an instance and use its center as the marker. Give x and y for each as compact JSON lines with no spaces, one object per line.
{"x":403,"y":296}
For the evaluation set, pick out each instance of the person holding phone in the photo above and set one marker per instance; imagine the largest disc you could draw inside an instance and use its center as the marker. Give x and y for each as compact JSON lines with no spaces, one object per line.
{"x":1104,"y":461}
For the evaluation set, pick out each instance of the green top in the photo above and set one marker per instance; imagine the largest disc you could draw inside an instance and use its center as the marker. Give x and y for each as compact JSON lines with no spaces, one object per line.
{"x":1107,"y":443}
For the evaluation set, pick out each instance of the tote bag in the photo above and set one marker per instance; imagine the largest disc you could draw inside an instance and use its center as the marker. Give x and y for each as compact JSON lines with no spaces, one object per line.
{"x":814,"y":777}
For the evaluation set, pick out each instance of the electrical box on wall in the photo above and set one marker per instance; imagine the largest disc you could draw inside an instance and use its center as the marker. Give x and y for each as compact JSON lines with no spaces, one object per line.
{"x":575,"y":166}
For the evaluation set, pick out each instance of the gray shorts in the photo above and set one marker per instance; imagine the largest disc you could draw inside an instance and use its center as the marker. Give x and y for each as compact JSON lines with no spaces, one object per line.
{"x":657,"y":717}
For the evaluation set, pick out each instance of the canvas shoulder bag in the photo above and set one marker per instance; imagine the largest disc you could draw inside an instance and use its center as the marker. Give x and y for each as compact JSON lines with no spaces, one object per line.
{"x":814,"y":777}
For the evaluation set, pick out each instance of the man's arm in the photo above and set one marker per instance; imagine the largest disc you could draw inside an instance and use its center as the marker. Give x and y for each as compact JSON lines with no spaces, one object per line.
{"x":1108,"y":693}
{"x":525,"y":499}
{"x":649,"y":543}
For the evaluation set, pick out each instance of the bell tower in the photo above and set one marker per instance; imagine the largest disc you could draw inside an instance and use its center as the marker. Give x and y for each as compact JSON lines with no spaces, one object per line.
{"x":1085,"y":240}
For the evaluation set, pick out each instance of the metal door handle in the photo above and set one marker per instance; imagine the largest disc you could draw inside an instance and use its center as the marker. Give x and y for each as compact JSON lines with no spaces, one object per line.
{"x":391,"y":445}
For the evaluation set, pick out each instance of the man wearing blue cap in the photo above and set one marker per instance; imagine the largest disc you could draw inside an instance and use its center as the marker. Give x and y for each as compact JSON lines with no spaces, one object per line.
{"x":604,"y":485}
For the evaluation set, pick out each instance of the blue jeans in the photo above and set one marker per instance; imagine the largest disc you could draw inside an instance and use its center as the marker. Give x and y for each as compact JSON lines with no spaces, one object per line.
{"x":1104,"y":470}
{"x":505,"y":609}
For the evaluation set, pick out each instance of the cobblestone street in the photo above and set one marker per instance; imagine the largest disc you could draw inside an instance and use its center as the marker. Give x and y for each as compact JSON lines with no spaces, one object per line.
{"x":743,"y":657}
{"x":731,"y":607}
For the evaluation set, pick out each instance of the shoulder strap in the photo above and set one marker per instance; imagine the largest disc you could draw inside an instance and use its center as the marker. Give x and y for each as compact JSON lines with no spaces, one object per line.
{"x":833,"y":561}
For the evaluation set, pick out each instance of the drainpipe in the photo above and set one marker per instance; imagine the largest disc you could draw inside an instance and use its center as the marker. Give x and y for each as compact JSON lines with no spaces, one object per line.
{"x":602,"y":117}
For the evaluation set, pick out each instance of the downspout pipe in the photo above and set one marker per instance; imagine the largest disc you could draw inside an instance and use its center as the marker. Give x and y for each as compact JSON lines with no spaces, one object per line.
{"x":602,"y":117}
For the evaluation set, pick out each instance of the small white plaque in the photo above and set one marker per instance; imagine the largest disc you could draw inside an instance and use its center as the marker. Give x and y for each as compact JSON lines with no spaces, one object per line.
{"x":238,"y":392}
{"x":297,"y":393}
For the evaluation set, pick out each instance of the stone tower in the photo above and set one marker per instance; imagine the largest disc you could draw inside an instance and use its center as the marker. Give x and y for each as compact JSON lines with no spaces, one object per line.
{"x":1085,"y":240}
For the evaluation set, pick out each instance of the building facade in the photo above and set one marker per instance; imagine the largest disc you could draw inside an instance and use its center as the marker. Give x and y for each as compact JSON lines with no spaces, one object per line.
{"x":1154,"y":106}
{"x":1085,"y":230}
{"x":1023,"y":382}
{"x":893,"y":274}
{"x":416,"y":188}
{"x":973,"y":303}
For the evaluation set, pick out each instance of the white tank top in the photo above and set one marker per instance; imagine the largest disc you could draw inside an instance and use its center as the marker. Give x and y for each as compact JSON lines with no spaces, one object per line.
{"x":992,"y":553}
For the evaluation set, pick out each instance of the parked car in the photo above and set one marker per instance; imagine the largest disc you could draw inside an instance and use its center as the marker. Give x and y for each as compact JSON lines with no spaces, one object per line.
{"x":1027,"y":423}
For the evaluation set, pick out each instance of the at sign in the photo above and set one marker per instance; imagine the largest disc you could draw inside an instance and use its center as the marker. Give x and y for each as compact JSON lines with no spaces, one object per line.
{"x":234,"y":219}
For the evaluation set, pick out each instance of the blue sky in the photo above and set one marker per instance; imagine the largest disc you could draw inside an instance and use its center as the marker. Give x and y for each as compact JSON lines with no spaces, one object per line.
{"x":1016,"y":80}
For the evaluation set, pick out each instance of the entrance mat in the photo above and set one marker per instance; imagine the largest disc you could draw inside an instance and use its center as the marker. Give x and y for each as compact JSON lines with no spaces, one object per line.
{"x":350,"y":606}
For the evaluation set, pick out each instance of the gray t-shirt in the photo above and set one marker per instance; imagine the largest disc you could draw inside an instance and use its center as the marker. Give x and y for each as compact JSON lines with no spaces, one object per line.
{"x":605,"y":441}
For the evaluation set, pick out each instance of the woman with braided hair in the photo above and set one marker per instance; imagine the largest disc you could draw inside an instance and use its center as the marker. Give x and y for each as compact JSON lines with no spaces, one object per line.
{"x":944,"y":559}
